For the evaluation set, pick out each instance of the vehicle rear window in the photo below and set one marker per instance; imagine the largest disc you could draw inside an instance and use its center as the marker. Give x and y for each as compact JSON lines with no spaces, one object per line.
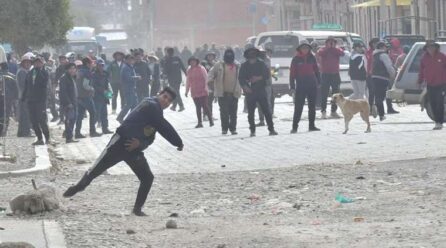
{"x":283,"y":46}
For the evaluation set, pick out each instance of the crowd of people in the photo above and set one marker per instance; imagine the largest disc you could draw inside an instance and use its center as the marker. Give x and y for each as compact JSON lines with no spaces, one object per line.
{"x":223,"y":75}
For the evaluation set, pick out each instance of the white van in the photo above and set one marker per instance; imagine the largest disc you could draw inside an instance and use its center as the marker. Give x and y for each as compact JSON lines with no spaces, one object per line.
{"x":284,"y":44}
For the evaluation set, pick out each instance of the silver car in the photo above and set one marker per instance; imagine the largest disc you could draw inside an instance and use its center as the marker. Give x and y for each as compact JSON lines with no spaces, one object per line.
{"x":405,"y":87}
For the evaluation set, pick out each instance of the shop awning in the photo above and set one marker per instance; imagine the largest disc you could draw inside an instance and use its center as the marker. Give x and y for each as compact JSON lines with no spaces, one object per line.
{"x":377,"y":3}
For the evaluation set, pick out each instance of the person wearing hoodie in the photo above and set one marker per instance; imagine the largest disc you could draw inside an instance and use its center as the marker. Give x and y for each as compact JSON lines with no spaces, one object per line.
{"x":136,"y":133}
{"x":357,"y":72}
{"x":304,"y":81}
{"x":227,"y":90}
{"x":330,"y":57}
{"x":253,"y":79}
{"x":433,"y":74}
{"x":196,"y":83}
{"x":395,"y":49}
{"x":85,"y":98}
{"x":382,"y":74}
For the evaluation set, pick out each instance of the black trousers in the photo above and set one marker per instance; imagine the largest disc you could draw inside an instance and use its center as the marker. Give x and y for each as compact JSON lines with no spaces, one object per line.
{"x":332,"y":81}
{"x":142,"y":90}
{"x":117,"y":91}
{"x":380,"y":88}
{"x":24,"y":127}
{"x":259,"y":97}
{"x":270,"y":95}
{"x":371,"y":88}
{"x":436,"y":100}
{"x":228,"y":112}
{"x":305,"y":90}
{"x":178,"y":100}
{"x":39,"y":119}
{"x":114,"y":153}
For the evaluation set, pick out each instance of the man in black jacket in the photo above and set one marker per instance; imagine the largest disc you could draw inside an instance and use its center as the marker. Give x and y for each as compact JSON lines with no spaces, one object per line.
{"x":135,"y":134}
{"x":60,"y":71}
{"x":68,"y":100}
{"x":35,"y":94}
{"x":253,"y":77}
{"x":172,"y":68}
{"x":142,"y":70}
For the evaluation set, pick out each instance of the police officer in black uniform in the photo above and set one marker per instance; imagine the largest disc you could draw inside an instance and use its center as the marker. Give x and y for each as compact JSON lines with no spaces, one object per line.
{"x":135,"y":134}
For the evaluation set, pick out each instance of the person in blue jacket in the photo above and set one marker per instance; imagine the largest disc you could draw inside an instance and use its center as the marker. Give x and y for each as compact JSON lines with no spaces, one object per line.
{"x":136,"y":133}
{"x":128,"y":80}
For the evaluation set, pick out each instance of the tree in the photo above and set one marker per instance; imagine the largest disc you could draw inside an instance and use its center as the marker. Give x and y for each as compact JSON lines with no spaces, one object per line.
{"x":34,"y":23}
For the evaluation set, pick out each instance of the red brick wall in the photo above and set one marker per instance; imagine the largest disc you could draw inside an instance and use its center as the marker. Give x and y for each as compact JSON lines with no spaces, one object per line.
{"x":195,"y":22}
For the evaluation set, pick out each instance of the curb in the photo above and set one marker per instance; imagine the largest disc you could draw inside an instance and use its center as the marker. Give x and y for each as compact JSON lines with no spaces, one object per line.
{"x":42,"y":163}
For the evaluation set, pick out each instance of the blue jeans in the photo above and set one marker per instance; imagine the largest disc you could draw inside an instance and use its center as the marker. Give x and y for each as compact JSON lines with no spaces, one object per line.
{"x":101,"y":113}
{"x":85,"y":104}
{"x":130,"y":103}
{"x":70,"y":120}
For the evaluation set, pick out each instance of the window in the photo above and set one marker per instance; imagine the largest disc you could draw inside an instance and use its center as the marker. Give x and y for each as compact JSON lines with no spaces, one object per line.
{"x":283,"y":46}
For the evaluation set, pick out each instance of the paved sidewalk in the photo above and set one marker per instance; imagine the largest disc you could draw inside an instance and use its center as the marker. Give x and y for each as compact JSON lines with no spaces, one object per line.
{"x":404,"y":136}
{"x":41,"y":234}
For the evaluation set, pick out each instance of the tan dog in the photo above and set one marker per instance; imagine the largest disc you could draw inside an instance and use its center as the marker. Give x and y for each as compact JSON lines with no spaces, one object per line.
{"x":351,"y":107}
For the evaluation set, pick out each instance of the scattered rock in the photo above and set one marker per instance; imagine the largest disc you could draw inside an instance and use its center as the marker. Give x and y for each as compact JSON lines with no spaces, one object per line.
{"x":1,"y":228}
{"x":223,"y":166}
{"x":81,"y":161}
{"x":16,"y":245}
{"x":358,"y":219}
{"x":297,"y":206}
{"x":359,"y":162}
{"x":265,"y":224}
{"x":171,"y":224}
{"x":174,"y":215}
{"x":360,"y":177}
{"x":200,"y":210}
{"x":130,"y":231}
{"x":221,"y":246}
{"x":292,"y":186}
{"x":361,"y":143}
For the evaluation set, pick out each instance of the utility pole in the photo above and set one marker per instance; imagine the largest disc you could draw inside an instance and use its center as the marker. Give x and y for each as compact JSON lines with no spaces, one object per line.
{"x":383,"y":17}
{"x":394,"y":27}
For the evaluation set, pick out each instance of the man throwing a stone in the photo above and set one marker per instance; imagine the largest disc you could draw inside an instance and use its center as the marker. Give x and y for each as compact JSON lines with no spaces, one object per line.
{"x":135,"y":134}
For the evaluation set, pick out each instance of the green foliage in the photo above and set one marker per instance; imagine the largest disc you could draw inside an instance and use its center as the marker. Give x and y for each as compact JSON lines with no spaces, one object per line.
{"x":34,"y":23}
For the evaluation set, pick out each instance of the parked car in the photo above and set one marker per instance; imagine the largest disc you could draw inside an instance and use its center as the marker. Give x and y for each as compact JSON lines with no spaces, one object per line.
{"x":284,"y":44}
{"x":405,"y":87}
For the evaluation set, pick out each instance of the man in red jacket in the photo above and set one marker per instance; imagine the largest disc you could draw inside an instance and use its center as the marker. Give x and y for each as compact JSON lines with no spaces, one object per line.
{"x":329,"y":62}
{"x":433,"y":74}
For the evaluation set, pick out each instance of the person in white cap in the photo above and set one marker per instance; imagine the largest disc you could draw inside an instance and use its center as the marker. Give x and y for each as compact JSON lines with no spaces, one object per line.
{"x":24,"y":127}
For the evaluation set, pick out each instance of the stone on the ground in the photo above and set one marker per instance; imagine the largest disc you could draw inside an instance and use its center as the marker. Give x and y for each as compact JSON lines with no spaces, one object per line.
{"x":130,"y":231}
{"x":221,"y":246}
{"x":35,"y":201}
{"x":16,"y":245}
{"x":174,"y":215}
{"x":171,"y":224}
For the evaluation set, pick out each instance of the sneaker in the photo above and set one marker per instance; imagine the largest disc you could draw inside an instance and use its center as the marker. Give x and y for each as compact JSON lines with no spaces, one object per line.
{"x":314,"y":129}
{"x":38,"y":143}
{"x":260,"y":124}
{"x":334,"y":115}
{"x":199,"y":125}
{"x":71,"y":141}
{"x":71,"y":191}
{"x":173,"y":108}
{"x":273,"y":133}
{"x":392,"y":111}
{"x":139,"y":212}
{"x":79,"y":136}
{"x":438,"y":126}
{"x":106,"y":131}
{"x":253,"y":134}
{"x":181,"y":109}
{"x":324,"y":115}
{"x":382,"y":118}
{"x":293,"y":131}
{"x":234,"y":133}
{"x":211,"y":123}
{"x":224,"y":132}
{"x":95,"y":134}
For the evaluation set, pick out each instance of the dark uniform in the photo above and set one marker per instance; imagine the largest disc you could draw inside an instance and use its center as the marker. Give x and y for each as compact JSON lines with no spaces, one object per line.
{"x":68,"y":103}
{"x":142,"y":86}
{"x":142,"y":123}
{"x":172,"y":68}
{"x":35,"y":94}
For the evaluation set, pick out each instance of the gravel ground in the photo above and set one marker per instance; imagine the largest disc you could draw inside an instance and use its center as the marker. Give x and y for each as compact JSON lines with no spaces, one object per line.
{"x":402,"y":206}
{"x":20,"y":149}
